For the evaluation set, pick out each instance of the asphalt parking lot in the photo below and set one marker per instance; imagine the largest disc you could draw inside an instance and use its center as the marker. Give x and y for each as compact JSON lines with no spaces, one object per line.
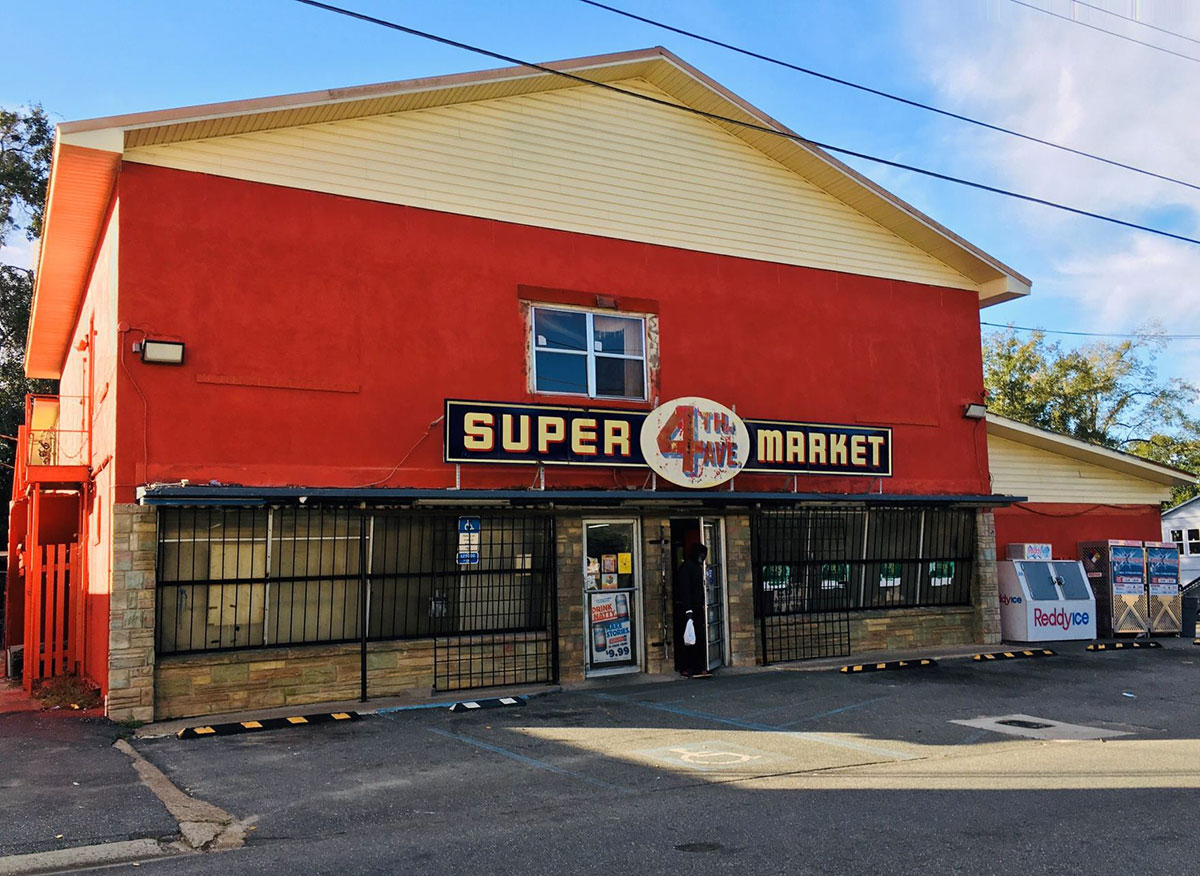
{"x":778,"y":771}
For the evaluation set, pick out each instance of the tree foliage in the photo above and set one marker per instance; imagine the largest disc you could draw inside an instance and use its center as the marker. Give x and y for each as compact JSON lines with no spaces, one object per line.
{"x":26,"y":147}
{"x":1106,"y":393}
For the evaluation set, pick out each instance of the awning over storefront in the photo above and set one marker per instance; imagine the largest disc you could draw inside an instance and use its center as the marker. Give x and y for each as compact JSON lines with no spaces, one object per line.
{"x":200,"y":494}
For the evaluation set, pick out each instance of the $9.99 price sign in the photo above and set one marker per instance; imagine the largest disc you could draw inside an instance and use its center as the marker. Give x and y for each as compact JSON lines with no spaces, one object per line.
{"x":611,"y":628}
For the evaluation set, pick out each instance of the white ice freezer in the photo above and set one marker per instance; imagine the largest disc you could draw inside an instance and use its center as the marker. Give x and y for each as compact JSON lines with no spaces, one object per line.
{"x":1045,"y":600}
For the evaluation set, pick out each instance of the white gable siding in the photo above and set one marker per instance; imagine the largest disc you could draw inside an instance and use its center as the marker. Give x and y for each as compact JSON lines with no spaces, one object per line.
{"x":578,"y":159}
{"x":1020,"y":470}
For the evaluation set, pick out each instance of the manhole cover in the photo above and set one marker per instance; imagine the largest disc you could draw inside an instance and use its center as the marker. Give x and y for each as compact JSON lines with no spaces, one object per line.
{"x":699,"y":847}
{"x":1034,"y":727}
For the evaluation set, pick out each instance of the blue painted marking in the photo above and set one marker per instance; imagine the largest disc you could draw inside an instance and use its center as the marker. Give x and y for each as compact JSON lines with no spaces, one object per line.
{"x":390,"y":709}
{"x":520,"y":758}
{"x":820,"y":715}
{"x":809,"y":736}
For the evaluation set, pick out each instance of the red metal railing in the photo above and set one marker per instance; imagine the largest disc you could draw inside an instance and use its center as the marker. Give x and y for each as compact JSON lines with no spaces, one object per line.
{"x":55,"y":433}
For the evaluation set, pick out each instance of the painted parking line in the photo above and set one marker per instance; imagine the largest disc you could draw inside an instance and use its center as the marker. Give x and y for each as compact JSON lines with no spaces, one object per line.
{"x":806,"y":735}
{"x":234,"y":728}
{"x":521,"y":758}
{"x":831,"y":712}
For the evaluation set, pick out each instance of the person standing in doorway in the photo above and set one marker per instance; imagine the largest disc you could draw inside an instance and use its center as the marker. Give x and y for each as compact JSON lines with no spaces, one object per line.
{"x":691,"y":660}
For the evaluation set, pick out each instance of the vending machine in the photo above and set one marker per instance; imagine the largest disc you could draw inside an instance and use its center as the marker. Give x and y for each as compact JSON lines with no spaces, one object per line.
{"x":1117,"y":572}
{"x":1045,"y":600}
{"x":1162,"y":579}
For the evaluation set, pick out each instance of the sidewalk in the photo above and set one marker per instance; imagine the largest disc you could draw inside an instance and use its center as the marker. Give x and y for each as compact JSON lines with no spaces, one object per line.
{"x":64,"y":785}
{"x":383,"y":705}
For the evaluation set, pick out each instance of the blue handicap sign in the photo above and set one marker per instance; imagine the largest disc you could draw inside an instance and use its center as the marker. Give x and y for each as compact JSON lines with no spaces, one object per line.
{"x":468,"y":558}
{"x":469,"y":524}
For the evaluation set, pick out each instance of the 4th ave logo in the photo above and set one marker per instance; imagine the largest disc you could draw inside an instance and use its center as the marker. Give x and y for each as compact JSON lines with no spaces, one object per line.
{"x":695,"y":442}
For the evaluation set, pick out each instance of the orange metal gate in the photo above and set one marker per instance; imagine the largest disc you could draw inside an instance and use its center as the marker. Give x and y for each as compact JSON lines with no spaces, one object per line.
{"x":53,"y":619}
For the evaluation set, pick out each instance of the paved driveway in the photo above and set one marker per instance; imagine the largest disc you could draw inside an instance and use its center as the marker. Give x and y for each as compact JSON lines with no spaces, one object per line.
{"x":775,"y":771}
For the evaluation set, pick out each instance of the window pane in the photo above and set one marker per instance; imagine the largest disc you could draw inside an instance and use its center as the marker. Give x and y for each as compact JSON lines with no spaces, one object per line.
{"x":1176,"y":535}
{"x":1194,"y":547}
{"x":610,"y":551}
{"x":620,"y":377}
{"x":1193,"y":534}
{"x":561,"y":372}
{"x":559,"y":329}
{"x":617,"y":334}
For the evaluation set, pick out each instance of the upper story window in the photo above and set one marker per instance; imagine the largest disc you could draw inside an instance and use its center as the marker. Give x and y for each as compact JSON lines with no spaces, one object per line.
{"x":1177,"y":537}
{"x":1193,"y":541}
{"x":596,"y":354}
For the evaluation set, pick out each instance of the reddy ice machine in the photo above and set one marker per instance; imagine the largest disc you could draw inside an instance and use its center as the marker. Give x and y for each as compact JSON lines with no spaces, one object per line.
{"x":1045,"y":600}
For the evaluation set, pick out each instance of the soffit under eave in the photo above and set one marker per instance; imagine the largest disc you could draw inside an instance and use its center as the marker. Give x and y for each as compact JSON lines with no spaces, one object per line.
{"x":223,"y":125}
{"x":81,"y":185}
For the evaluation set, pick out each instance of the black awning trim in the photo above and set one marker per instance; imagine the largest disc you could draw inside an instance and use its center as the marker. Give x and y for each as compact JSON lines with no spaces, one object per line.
{"x":207,"y":494}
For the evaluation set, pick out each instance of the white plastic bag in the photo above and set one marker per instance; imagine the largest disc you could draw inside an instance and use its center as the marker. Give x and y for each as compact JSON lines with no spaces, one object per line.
{"x":689,"y":633}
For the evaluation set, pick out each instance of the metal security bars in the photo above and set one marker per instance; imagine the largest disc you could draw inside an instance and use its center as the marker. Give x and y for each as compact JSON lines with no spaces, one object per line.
{"x":232,"y":578}
{"x":815,"y":566}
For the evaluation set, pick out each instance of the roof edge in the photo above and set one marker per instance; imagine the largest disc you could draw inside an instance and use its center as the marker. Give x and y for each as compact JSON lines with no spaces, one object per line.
{"x":1127,"y":463}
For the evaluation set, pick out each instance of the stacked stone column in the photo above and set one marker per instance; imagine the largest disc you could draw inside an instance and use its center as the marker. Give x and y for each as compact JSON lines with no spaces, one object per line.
{"x":131,"y":608}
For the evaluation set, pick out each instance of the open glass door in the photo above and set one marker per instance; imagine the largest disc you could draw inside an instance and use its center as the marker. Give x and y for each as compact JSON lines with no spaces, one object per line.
{"x":714,"y":590}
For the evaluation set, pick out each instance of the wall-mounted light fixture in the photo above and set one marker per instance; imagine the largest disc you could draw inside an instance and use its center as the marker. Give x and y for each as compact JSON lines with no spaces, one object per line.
{"x":975,"y":411}
{"x":160,"y":352}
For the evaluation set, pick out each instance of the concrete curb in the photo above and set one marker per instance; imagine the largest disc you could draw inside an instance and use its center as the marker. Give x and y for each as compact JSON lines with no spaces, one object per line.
{"x":86,"y":856}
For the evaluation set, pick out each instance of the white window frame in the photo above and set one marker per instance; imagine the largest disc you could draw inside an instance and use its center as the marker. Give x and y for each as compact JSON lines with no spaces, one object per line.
{"x":590,"y":352}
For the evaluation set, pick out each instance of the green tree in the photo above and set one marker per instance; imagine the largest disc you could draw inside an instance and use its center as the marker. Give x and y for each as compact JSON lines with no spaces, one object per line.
{"x":26,"y":147}
{"x":1176,"y":452}
{"x":1106,"y":393}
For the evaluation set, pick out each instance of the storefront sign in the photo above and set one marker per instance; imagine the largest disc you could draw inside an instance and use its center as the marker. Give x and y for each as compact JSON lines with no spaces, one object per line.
{"x":695,"y":442}
{"x":492,"y":432}
{"x":610,"y":628}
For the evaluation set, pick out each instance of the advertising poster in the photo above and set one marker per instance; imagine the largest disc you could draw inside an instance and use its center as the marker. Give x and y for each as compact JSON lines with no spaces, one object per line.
{"x":1128,"y":573}
{"x":1164,"y":571}
{"x":611,"y":628}
{"x":941,"y":573}
{"x":889,"y":575}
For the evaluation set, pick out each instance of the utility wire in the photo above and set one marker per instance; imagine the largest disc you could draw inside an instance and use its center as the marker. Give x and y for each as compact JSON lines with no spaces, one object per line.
{"x":879,"y":93}
{"x":1023,"y":328}
{"x":1119,"y":36}
{"x":787,"y":135}
{"x":1137,"y":21}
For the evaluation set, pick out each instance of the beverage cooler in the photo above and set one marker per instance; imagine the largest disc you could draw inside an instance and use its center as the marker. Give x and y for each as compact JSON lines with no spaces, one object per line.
{"x":1162,"y":579}
{"x":1117,"y":572}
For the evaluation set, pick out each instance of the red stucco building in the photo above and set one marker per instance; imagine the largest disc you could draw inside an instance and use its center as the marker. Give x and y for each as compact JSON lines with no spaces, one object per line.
{"x":263,"y":316}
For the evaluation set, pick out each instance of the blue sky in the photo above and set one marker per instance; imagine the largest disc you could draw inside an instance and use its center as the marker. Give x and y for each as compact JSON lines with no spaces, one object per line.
{"x":991,"y":59}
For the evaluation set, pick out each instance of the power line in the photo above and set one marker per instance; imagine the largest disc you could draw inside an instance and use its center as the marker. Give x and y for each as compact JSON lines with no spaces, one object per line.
{"x":1119,"y":36}
{"x":1133,"y":336}
{"x":787,"y":135}
{"x":889,"y":96}
{"x":1137,"y":21}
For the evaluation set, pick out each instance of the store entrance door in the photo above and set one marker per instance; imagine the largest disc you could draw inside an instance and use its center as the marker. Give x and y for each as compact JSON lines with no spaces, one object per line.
{"x":708,"y":531}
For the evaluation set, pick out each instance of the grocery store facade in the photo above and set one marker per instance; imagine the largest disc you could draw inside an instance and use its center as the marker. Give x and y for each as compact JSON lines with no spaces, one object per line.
{"x":432,"y":385}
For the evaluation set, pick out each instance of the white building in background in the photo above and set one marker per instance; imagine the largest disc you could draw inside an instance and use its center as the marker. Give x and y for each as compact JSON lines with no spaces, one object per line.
{"x":1182,"y":525}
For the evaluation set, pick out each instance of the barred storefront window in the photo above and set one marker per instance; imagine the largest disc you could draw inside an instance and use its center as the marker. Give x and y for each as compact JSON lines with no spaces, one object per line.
{"x":816,"y":559}
{"x":247,"y":578}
